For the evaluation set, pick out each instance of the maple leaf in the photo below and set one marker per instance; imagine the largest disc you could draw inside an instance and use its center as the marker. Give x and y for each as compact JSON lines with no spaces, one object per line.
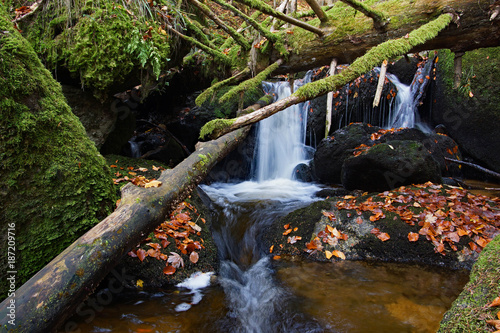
{"x":175,"y":259}
{"x":293,"y":239}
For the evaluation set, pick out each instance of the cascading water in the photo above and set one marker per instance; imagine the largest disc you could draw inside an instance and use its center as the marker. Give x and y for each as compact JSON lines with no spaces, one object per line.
{"x":257,"y":303}
{"x":404,"y":112}
{"x":281,"y":138}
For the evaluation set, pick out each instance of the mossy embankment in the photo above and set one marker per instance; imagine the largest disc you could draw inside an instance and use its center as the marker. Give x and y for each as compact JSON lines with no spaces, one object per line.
{"x":54,"y":185}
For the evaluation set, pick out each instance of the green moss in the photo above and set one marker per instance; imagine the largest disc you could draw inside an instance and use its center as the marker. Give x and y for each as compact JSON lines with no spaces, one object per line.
{"x":215,"y":87}
{"x":105,"y":45}
{"x":214,"y":126}
{"x":373,"y":57}
{"x":250,"y":84}
{"x":54,"y":183}
{"x":469,"y":312}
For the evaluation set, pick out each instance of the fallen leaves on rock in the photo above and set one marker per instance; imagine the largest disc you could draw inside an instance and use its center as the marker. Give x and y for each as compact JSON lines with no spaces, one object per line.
{"x":174,"y":238}
{"x":443,"y":214}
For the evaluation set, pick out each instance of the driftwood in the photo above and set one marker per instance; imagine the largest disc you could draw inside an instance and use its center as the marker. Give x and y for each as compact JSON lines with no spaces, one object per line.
{"x":475,"y":166}
{"x":52,"y":295}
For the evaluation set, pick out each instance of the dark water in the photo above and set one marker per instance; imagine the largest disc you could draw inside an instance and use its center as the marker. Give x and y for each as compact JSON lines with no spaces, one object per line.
{"x":326,"y":297}
{"x":254,"y":294}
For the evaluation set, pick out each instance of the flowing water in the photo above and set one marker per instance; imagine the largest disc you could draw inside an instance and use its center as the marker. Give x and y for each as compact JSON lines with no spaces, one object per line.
{"x":256,"y":294}
{"x":404,"y":112}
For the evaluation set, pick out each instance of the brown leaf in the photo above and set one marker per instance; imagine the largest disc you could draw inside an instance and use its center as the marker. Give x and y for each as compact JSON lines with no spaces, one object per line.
{"x":193,"y":257}
{"x":155,"y":246}
{"x":413,"y":236}
{"x":169,"y":270}
{"x":153,"y":183}
{"x":339,"y":254}
{"x":383,"y":236}
{"x":495,"y":323}
{"x":165,"y":243}
{"x":286,"y":232}
{"x":495,"y":302}
{"x":141,"y":254}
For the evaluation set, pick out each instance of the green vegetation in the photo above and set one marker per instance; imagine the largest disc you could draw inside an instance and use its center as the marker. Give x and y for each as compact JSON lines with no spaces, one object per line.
{"x":214,"y":125}
{"x":54,"y":183}
{"x":469,"y":312}
{"x":101,"y":42}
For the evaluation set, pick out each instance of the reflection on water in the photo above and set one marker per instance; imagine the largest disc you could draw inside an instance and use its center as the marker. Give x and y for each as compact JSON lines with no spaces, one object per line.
{"x":341,"y":297}
{"x":373,"y":297}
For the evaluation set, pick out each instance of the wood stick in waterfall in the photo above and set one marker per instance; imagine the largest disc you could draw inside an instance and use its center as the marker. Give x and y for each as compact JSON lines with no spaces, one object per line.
{"x":329,"y":100}
{"x":380,"y":84}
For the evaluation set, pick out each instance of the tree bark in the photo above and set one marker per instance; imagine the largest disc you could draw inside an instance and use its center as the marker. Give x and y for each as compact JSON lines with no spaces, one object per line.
{"x":44,"y":302}
{"x":329,"y":100}
{"x":475,"y":166}
{"x":475,"y":31}
{"x":380,"y":84}
{"x":317,"y":10}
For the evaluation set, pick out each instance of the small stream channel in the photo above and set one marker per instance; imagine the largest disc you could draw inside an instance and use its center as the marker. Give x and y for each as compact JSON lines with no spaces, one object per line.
{"x":256,"y":294}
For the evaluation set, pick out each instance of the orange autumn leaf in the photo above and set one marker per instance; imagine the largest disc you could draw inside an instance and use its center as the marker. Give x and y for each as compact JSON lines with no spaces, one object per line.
{"x":141,"y":254}
{"x":286,"y":232}
{"x":328,"y":254}
{"x":277,"y":257}
{"x":495,"y":302}
{"x":413,"y":236}
{"x":339,"y":254}
{"x":169,"y":270}
{"x":193,"y":257}
{"x":286,"y":226}
{"x":383,"y":236}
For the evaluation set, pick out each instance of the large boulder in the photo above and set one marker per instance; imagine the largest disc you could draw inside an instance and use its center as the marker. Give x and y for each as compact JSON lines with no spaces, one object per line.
{"x":54,"y":185}
{"x":352,"y":140}
{"x":388,"y":165}
{"x":470,"y":112}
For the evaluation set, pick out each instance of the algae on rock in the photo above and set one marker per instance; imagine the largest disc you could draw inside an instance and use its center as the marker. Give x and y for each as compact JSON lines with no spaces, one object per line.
{"x":54,"y":185}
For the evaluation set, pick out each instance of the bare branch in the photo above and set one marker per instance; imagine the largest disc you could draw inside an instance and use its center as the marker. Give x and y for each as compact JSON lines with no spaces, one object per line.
{"x":317,"y":10}
{"x":379,"y":20}
{"x":261,"y":6}
{"x":233,"y":33}
{"x":250,"y":21}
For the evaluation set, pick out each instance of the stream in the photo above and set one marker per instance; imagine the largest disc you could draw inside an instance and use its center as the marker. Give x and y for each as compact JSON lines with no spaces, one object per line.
{"x":257,"y":294}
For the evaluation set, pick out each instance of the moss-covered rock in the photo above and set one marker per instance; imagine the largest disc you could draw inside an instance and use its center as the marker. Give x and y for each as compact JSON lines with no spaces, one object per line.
{"x":54,"y":185}
{"x":388,"y":165}
{"x":469,"y":311}
{"x":150,"y":270}
{"x":470,"y":112}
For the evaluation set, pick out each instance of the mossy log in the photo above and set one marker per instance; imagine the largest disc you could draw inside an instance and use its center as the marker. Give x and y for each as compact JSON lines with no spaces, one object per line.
{"x":52,"y":295}
{"x":348,"y":38}
{"x":372,"y":58}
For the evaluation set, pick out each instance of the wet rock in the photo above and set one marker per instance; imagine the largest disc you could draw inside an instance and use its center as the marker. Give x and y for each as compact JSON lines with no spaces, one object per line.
{"x":388,"y":165}
{"x":302,"y":172}
{"x":333,"y":151}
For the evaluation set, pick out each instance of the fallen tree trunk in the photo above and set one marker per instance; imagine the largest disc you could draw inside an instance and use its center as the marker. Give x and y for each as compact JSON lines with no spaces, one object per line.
{"x":375,"y":56}
{"x":44,"y":302}
{"x":346,"y":44}
{"x":475,"y":166}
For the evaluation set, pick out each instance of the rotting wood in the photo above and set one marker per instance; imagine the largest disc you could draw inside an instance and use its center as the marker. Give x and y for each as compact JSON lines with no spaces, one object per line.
{"x":329,"y":100}
{"x":380,"y":84}
{"x":52,"y":295}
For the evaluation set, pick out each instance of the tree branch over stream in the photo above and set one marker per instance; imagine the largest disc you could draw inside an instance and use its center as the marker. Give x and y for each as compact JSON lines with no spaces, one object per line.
{"x":53,"y":294}
{"x":372,"y":58}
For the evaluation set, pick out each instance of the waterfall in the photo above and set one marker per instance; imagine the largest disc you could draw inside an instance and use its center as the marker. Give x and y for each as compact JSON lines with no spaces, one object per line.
{"x":247,"y":209}
{"x":281,"y":137}
{"x":135,"y":149}
{"x":404,"y":112}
